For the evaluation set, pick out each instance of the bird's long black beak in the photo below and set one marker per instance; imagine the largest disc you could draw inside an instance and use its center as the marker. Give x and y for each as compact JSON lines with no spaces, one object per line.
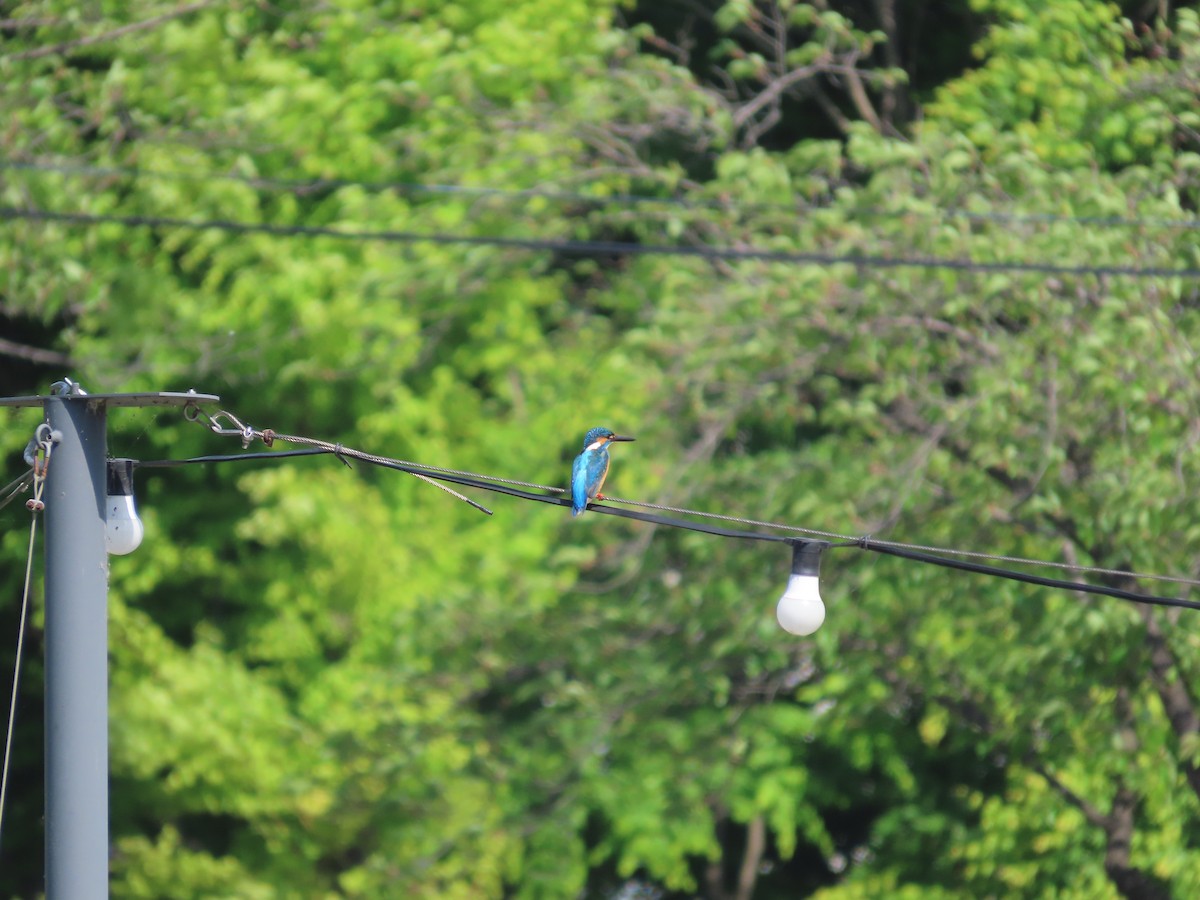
{"x":621,"y":437}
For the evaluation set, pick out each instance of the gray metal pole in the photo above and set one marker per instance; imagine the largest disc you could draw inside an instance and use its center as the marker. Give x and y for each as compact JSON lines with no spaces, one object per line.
{"x":76,"y":654}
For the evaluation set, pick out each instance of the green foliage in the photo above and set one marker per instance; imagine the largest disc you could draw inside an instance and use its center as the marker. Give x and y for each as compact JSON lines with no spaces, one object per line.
{"x":1069,"y":80}
{"x":329,"y":682}
{"x":148,"y":869}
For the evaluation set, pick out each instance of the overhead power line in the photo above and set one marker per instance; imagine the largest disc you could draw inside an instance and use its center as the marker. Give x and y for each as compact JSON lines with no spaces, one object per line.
{"x":553,"y":495}
{"x":302,"y":186}
{"x":593,"y":247}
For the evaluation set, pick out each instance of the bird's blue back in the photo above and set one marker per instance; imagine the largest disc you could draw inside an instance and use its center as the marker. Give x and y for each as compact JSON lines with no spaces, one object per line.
{"x":587,"y":476}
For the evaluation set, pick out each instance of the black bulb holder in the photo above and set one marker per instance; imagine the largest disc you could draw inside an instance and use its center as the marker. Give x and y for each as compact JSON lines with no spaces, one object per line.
{"x":806,"y":557}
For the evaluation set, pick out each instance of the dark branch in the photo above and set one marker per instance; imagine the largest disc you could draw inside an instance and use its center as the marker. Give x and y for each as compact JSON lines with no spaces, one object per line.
{"x":33,"y":354}
{"x":112,"y":34}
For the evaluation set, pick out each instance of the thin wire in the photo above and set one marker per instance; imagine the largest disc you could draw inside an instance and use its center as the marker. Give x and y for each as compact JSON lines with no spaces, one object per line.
{"x":498,"y":485}
{"x":711,"y":515}
{"x":866,"y":542}
{"x":13,"y":488}
{"x":871,"y":543}
{"x":441,"y":470}
{"x":339,"y":451}
{"x":301,"y":186}
{"x":1119,"y":593}
{"x":492,"y":478}
{"x":861,"y":544}
{"x":815,"y":532}
{"x":491,"y":482}
{"x":246,"y":434}
{"x":587,"y":247}
{"x":35,"y":506}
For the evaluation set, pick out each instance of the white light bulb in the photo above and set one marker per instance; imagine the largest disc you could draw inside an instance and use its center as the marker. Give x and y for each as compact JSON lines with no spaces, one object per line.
{"x":800,"y":610}
{"x":123,"y":529}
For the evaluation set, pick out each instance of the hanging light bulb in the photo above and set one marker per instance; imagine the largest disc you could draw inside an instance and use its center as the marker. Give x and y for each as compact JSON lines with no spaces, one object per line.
{"x":123,"y":529}
{"x":800,"y":610}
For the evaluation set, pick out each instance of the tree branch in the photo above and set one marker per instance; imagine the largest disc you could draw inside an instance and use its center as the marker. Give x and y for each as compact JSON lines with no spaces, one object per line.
{"x":714,"y":881}
{"x":1118,"y":825}
{"x":1173,"y":691}
{"x":1129,"y":881}
{"x":30,"y":22}
{"x":1090,"y":812}
{"x":830,"y":109}
{"x":885,"y":11}
{"x":113,"y":34}
{"x":756,"y":841}
{"x":33,"y":354}
{"x":774,"y":91}
{"x":858,"y":95}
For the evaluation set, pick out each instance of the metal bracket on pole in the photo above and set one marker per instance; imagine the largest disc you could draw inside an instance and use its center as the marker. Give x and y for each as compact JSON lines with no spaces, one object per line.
{"x":76,"y":637}
{"x":145,"y":398}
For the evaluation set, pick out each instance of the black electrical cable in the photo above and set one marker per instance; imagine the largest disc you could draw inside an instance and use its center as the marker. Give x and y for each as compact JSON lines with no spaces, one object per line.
{"x":889,"y":549}
{"x":589,"y":248}
{"x":593,"y":507}
{"x":482,"y":484}
{"x":235,"y":457}
{"x":965,"y":566}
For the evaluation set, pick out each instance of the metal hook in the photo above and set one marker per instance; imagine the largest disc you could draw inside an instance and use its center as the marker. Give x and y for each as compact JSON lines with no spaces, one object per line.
{"x":237,"y":428}
{"x":37,"y":451}
{"x":67,"y":388}
{"x":214,"y":423}
{"x":193,"y":413}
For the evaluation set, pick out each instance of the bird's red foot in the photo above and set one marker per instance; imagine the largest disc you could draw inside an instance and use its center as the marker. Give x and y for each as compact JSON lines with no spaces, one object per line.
{"x":599,"y":496}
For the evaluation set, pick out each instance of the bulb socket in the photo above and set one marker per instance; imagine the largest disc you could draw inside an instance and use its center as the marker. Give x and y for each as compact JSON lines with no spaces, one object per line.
{"x":120,"y":478}
{"x":806,"y":557}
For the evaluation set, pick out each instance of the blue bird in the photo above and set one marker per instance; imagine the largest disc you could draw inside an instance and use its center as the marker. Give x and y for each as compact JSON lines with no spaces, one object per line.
{"x":591,"y":468}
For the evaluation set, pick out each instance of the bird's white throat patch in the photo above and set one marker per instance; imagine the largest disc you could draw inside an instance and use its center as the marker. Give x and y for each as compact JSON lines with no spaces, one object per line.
{"x":596,"y":445}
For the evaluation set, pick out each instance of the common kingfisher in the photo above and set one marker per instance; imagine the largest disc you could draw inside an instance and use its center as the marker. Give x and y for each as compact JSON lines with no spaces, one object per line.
{"x":591,"y":468}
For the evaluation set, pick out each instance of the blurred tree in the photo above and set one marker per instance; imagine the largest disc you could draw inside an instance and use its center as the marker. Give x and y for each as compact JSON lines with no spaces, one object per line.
{"x":328,"y":683}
